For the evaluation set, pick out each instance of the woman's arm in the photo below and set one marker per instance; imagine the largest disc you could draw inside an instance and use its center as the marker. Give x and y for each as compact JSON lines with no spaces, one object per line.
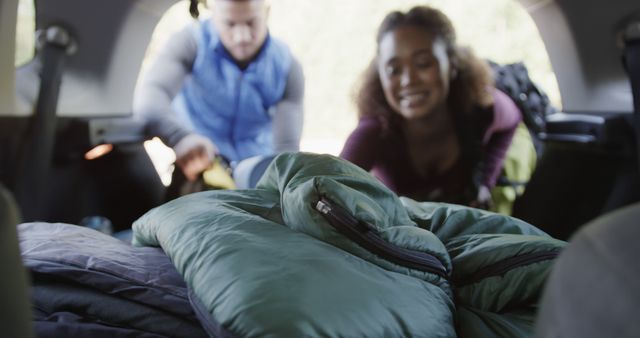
{"x":497,"y":139}
{"x":362,"y":146}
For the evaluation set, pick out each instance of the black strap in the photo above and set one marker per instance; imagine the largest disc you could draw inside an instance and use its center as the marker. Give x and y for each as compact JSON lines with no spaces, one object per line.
{"x":193,"y":9}
{"x":37,"y":149}
{"x":632,"y":65}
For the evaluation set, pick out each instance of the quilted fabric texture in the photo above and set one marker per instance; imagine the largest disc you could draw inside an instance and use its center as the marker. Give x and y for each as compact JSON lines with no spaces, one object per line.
{"x":265,"y":262}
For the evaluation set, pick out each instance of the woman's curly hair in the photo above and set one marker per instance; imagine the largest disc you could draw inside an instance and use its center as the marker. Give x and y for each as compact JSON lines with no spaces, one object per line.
{"x":468,"y":89}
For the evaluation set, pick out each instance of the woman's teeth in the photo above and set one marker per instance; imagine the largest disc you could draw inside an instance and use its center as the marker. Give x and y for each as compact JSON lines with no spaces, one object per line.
{"x":411,"y":99}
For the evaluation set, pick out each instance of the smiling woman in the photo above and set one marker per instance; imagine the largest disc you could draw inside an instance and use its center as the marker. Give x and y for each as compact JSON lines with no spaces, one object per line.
{"x":335,"y":53}
{"x":431,"y":126}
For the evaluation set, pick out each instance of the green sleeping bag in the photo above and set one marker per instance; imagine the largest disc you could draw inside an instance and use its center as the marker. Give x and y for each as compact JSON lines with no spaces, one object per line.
{"x":322,"y":249}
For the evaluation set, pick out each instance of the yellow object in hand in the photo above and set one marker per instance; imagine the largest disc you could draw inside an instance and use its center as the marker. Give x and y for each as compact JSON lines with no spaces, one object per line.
{"x":218,"y":176}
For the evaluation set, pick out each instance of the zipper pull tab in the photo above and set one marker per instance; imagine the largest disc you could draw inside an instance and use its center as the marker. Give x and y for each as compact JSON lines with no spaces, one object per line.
{"x":323,"y":208}
{"x":338,"y":214}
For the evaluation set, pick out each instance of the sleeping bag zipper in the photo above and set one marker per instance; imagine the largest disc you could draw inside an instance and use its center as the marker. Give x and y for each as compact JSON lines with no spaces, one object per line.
{"x":366,"y":235}
{"x":501,"y":267}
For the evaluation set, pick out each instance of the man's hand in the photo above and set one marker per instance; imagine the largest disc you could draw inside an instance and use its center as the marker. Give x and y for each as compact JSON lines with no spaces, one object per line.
{"x":194,"y":154}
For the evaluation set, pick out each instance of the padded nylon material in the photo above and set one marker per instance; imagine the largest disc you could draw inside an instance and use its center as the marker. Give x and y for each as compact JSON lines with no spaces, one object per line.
{"x":265,"y":263}
{"x":504,"y":305}
{"x":496,"y":294}
{"x":88,"y":284}
{"x":303,"y":178}
{"x":260,"y":278}
{"x":474,"y":323}
{"x":448,"y":221}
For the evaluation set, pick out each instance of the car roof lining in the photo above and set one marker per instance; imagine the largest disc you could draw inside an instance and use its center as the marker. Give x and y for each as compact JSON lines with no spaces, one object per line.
{"x":581,"y":41}
{"x":100,"y":78}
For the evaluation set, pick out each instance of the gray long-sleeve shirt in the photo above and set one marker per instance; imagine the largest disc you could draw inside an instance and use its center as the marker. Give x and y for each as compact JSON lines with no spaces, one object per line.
{"x":166,"y":76}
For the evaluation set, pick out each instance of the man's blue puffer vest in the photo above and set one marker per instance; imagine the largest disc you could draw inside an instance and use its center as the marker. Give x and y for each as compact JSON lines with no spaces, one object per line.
{"x":231,"y":105}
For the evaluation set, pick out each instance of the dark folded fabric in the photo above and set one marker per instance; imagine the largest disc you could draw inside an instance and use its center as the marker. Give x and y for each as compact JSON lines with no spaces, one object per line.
{"x":71,"y":326}
{"x":51,"y":296}
{"x":100,"y":280}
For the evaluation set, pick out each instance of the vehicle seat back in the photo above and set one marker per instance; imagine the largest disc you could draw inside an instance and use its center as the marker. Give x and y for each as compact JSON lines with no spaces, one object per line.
{"x":592,"y":290}
{"x":15,"y":315}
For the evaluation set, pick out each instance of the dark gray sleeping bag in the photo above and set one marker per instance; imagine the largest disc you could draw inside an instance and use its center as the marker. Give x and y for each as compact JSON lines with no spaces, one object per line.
{"x":87,"y":284}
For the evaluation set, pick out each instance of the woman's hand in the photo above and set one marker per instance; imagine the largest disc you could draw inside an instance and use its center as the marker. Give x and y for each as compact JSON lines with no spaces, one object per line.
{"x":483,"y":198}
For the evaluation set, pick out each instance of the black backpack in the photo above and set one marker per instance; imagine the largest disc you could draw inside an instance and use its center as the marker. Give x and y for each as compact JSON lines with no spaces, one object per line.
{"x":513,"y":79}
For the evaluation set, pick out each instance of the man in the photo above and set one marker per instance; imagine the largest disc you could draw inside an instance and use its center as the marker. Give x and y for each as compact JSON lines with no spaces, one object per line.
{"x":223,"y":86}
